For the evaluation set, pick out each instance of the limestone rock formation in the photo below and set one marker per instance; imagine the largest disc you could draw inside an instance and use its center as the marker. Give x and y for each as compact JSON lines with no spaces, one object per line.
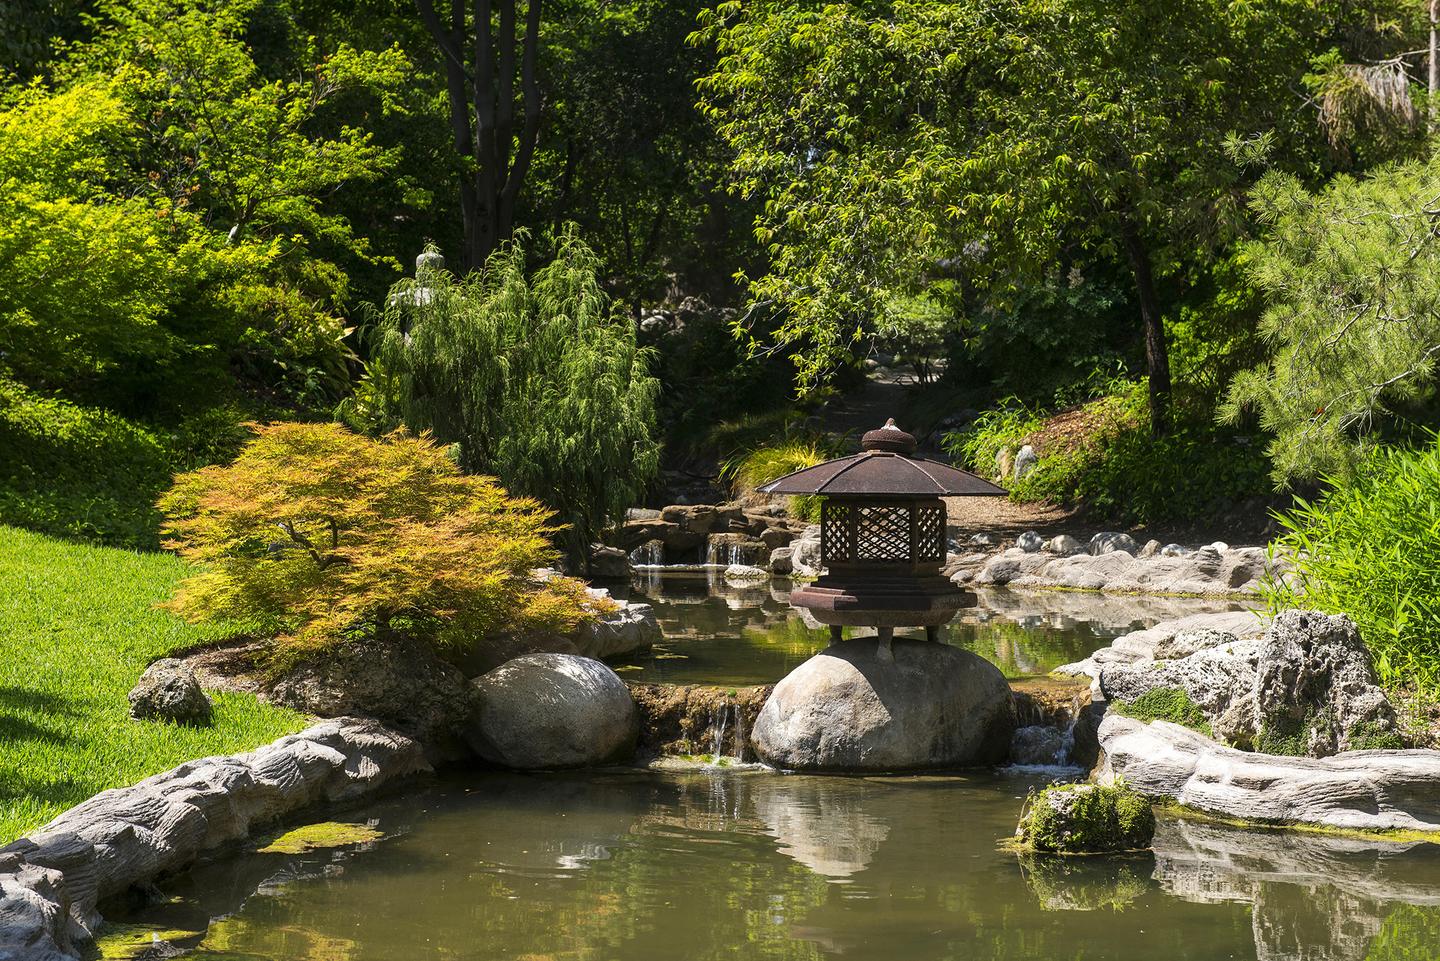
{"x":170,"y":691}
{"x":552,"y":711}
{"x":850,"y":709}
{"x":51,"y":882}
{"x":1306,"y":687}
{"x":1359,"y":790}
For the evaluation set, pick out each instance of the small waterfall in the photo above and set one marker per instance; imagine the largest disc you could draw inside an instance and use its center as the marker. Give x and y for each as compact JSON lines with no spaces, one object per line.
{"x":739,"y":734}
{"x":717,"y":732}
{"x":648,"y":554}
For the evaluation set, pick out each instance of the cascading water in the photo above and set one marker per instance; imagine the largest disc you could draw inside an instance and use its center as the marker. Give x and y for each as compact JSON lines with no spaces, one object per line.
{"x":717,"y":732}
{"x":724,"y":554}
{"x":649,"y":554}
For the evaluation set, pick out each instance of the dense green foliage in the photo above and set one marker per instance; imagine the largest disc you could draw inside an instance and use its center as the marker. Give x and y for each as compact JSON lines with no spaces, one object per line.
{"x":536,"y":377}
{"x":315,"y":534}
{"x":78,"y":625}
{"x":1370,"y":548}
{"x":1353,"y":278}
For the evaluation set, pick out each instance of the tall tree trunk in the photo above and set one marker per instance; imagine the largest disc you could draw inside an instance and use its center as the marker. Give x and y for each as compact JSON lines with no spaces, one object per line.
{"x":1157,"y":354}
{"x":1434,"y":85}
{"x":481,"y":90}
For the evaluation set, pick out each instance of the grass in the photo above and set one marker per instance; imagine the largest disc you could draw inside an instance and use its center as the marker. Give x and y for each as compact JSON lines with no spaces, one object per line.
{"x":77,"y":628}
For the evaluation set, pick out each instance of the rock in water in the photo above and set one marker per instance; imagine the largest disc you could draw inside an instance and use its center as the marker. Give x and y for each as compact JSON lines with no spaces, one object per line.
{"x":552,"y":711}
{"x":1086,"y":819}
{"x":169,"y":691}
{"x":846,"y":709}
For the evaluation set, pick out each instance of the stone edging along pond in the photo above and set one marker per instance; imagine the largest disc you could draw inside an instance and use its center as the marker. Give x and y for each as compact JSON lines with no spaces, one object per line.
{"x":51,"y":882}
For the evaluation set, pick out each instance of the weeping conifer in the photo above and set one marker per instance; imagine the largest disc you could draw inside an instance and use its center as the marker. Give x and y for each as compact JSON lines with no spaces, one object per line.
{"x":538,"y":379}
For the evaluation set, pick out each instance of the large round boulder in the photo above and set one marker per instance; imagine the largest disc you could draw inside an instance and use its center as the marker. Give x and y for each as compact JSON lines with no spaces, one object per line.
{"x":850,"y":708}
{"x":552,"y":711}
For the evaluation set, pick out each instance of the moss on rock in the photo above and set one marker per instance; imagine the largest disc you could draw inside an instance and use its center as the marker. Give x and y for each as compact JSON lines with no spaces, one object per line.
{"x":1165,"y":704}
{"x":315,"y":837}
{"x":1086,"y":819}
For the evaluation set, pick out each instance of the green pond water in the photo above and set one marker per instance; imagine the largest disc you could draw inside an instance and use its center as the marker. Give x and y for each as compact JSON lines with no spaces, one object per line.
{"x":741,"y":864}
{"x":716,"y":633}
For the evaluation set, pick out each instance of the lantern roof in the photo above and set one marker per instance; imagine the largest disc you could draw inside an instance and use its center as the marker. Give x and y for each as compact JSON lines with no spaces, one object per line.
{"x":885,"y":467}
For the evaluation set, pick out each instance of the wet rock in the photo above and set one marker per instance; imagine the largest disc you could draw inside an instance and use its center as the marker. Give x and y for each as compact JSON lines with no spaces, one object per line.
{"x":736,"y":549}
{"x":849,"y":708}
{"x":1086,"y":819}
{"x":1064,"y":545}
{"x":609,"y":563}
{"x":394,"y":679}
{"x":1038,"y":744}
{"x":1360,"y":790}
{"x":1108,"y":542}
{"x":745,"y":574}
{"x":170,"y":691}
{"x":782,"y":561}
{"x":552,"y":711}
{"x":688,"y":718}
{"x":1030,"y":542}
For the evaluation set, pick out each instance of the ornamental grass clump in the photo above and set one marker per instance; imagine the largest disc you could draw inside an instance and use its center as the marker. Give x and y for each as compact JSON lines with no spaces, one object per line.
{"x":1370,"y":549}
{"x":317,"y":535}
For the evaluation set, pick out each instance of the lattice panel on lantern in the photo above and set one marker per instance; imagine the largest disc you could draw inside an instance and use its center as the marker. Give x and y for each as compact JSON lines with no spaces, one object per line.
{"x":837,"y":541}
{"x":882,"y":534}
{"x":930,"y":533}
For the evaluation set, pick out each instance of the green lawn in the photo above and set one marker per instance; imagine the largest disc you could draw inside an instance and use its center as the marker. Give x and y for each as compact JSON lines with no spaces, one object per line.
{"x":77,"y":627}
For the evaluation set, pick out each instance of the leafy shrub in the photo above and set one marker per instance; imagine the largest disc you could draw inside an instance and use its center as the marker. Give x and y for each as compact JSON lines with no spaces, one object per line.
{"x":315,"y":533}
{"x":1370,"y":548}
{"x":747,"y":471}
{"x":1000,"y":428}
{"x":78,"y":472}
{"x":535,"y":376}
{"x":1104,"y":455}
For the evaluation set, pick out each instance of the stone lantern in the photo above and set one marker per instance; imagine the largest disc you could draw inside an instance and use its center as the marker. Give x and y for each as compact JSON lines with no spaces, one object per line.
{"x":882,"y":537}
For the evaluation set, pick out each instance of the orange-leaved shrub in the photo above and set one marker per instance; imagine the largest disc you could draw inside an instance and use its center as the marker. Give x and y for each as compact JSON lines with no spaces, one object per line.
{"x":316,"y":534}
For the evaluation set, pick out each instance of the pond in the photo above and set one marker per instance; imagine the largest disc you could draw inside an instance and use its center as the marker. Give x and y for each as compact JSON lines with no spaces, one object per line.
{"x":638,"y":865}
{"x":716,"y":633}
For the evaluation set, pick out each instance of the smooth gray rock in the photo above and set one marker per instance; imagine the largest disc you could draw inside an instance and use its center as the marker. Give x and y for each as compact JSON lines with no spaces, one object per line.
{"x":170,"y":691}
{"x":745,"y":574}
{"x":1359,"y":790}
{"x":128,"y":836}
{"x":630,"y":626}
{"x":849,"y":708}
{"x":1026,"y":460}
{"x":1174,"y":550}
{"x":1108,"y":542}
{"x":1063,"y":545}
{"x":1030,"y":542}
{"x":805,"y":553}
{"x":552,"y":711}
{"x":983,"y":539}
{"x":782,"y":561}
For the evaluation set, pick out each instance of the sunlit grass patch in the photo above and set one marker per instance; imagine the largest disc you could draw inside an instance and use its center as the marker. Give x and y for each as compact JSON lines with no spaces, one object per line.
{"x":77,"y":628}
